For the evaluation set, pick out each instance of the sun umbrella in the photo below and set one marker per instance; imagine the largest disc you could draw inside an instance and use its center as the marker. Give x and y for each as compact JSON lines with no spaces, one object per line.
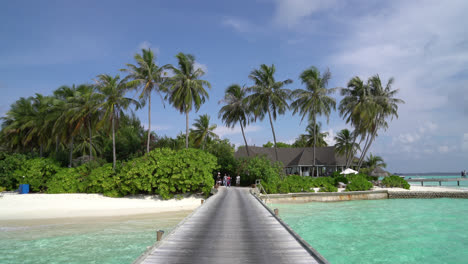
{"x":349,"y":171}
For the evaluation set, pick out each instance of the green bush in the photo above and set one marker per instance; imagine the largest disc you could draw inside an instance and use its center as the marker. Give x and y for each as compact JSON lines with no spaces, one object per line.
{"x":336,"y":174}
{"x":395,"y":181}
{"x":260,"y":168}
{"x":2,"y":189}
{"x":36,"y":172}
{"x":358,"y":183}
{"x":105,"y":180}
{"x":69,"y":180}
{"x":167,"y":172}
{"x":340,"y":179}
{"x":8,"y":164}
{"x":323,"y":181}
{"x":328,"y":188}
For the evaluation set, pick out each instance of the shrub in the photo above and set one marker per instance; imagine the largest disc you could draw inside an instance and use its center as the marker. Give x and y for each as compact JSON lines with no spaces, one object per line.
{"x":340,"y":179}
{"x":359,"y":184}
{"x":104,"y":180}
{"x":336,"y":174}
{"x":395,"y":181}
{"x":2,"y":189}
{"x":328,"y":188}
{"x":36,"y":172}
{"x":323,"y":181}
{"x":69,"y":180}
{"x":260,"y":168}
{"x":167,"y":172}
{"x":8,"y":164}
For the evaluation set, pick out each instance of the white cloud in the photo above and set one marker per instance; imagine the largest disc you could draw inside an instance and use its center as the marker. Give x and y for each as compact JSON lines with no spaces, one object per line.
{"x":158,"y":127}
{"x":198,"y":65}
{"x":147,"y":45}
{"x":290,"y":13}
{"x":444,"y":149}
{"x":330,"y":138}
{"x":239,"y":24}
{"x":223,"y":131}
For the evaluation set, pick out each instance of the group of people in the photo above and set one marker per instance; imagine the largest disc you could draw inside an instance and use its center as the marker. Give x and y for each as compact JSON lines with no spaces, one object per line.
{"x":463,"y":174}
{"x":226,"y":181}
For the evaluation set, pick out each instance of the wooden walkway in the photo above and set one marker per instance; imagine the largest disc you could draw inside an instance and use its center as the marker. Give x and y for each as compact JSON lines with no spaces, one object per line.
{"x":440,"y":180}
{"x":231,"y":227}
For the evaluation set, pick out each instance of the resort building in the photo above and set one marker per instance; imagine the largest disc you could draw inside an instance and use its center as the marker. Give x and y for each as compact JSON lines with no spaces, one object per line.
{"x":300,"y":161}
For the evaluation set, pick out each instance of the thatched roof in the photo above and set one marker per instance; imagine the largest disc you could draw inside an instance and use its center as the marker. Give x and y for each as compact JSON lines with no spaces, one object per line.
{"x":379,"y":172}
{"x":326,"y":156}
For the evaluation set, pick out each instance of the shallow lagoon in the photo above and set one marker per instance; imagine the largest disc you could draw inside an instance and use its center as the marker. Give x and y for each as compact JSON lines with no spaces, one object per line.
{"x":384,"y":231}
{"x":85,"y":240}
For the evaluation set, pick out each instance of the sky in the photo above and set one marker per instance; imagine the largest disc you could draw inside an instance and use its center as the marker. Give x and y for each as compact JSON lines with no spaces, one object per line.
{"x":423,"y":44}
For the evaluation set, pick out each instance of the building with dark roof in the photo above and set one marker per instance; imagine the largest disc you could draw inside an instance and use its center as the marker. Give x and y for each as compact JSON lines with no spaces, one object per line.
{"x":301,"y":160}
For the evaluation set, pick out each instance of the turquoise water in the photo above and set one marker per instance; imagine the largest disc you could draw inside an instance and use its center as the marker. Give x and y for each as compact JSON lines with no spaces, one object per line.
{"x":453,"y":184}
{"x":103,"y":240}
{"x":384,"y":231}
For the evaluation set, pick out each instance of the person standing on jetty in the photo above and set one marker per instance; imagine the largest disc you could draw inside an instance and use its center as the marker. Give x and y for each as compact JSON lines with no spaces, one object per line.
{"x":238,"y":181}
{"x":225,"y":180}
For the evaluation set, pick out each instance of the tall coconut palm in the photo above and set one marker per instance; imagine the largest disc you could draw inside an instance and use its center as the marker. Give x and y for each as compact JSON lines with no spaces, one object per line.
{"x":83,"y":112}
{"x":373,"y":162}
{"x":14,"y":130}
{"x":112,"y":90}
{"x":235,"y":109}
{"x":64,"y":127}
{"x":268,"y":96}
{"x":355,"y":108}
{"x":203,"y":130}
{"x":187,"y":89}
{"x":345,"y":144}
{"x":149,"y":78}
{"x":314,"y":136}
{"x":314,"y":100}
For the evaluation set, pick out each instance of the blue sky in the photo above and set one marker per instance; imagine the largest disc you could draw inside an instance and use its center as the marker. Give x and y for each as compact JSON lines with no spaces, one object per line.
{"x":422,"y":44}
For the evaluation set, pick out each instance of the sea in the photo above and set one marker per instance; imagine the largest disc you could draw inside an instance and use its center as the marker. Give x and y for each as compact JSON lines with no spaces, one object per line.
{"x":385,"y":231}
{"x":83,"y":240}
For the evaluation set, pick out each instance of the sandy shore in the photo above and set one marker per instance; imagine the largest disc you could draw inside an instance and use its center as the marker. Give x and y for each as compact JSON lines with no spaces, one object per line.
{"x":47,"y":206}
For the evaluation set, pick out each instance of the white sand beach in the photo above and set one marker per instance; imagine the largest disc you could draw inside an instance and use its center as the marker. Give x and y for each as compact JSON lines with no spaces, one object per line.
{"x":48,"y":206}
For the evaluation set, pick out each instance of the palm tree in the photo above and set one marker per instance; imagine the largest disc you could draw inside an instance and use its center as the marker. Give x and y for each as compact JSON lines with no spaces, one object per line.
{"x":382,"y":105}
{"x":64,"y":127}
{"x":203,"y":130}
{"x":315,"y":99}
{"x":235,"y":109}
{"x":14,"y":130}
{"x":345,"y":144}
{"x":373,"y":162}
{"x":150,"y":78}
{"x":268,"y":96}
{"x":187,"y":89}
{"x":83,"y":110}
{"x":112,"y":90}
{"x":314,"y":137}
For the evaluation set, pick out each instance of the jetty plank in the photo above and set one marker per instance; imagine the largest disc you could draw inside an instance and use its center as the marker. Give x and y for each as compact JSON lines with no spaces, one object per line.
{"x":231,"y":227}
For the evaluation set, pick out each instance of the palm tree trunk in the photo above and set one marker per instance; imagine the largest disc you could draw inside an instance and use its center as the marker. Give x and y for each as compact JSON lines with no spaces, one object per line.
{"x":40,"y":150}
{"x":274,"y":136}
{"x":113,"y":143}
{"x":246,"y":147}
{"x":149,"y":124}
{"x":350,"y":155}
{"x":186,"y":128}
{"x":56,"y":144}
{"x":368,"y":146}
{"x":315,"y":142}
{"x":71,"y":153}
{"x":90,"y":141}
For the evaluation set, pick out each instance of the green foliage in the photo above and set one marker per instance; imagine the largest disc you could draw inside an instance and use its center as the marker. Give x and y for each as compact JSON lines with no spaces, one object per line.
{"x":340,"y":179}
{"x":395,"y":181}
{"x":8,"y":164}
{"x":69,"y":180}
{"x":260,"y":168}
{"x":224,"y":153}
{"x":328,"y":188}
{"x":167,"y":172}
{"x":336,"y":174}
{"x":36,"y":172}
{"x":323,"y":181}
{"x":2,"y":189}
{"x":105,"y":180}
{"x":269,"y":144}
{"x":358,"y":182}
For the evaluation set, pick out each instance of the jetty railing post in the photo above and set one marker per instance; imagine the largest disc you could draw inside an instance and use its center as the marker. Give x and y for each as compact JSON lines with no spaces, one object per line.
{"x":202,"y":201}
{"x":276,"y":211}
{"x":440,"y":183}
{"x":159,"y":235}
{"x":458,"y":183}
{"x":422,"y":183}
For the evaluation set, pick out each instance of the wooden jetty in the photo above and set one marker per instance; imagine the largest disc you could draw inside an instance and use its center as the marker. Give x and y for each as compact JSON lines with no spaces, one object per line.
{"x":458,"y":180}
{"x":232,"y":226}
